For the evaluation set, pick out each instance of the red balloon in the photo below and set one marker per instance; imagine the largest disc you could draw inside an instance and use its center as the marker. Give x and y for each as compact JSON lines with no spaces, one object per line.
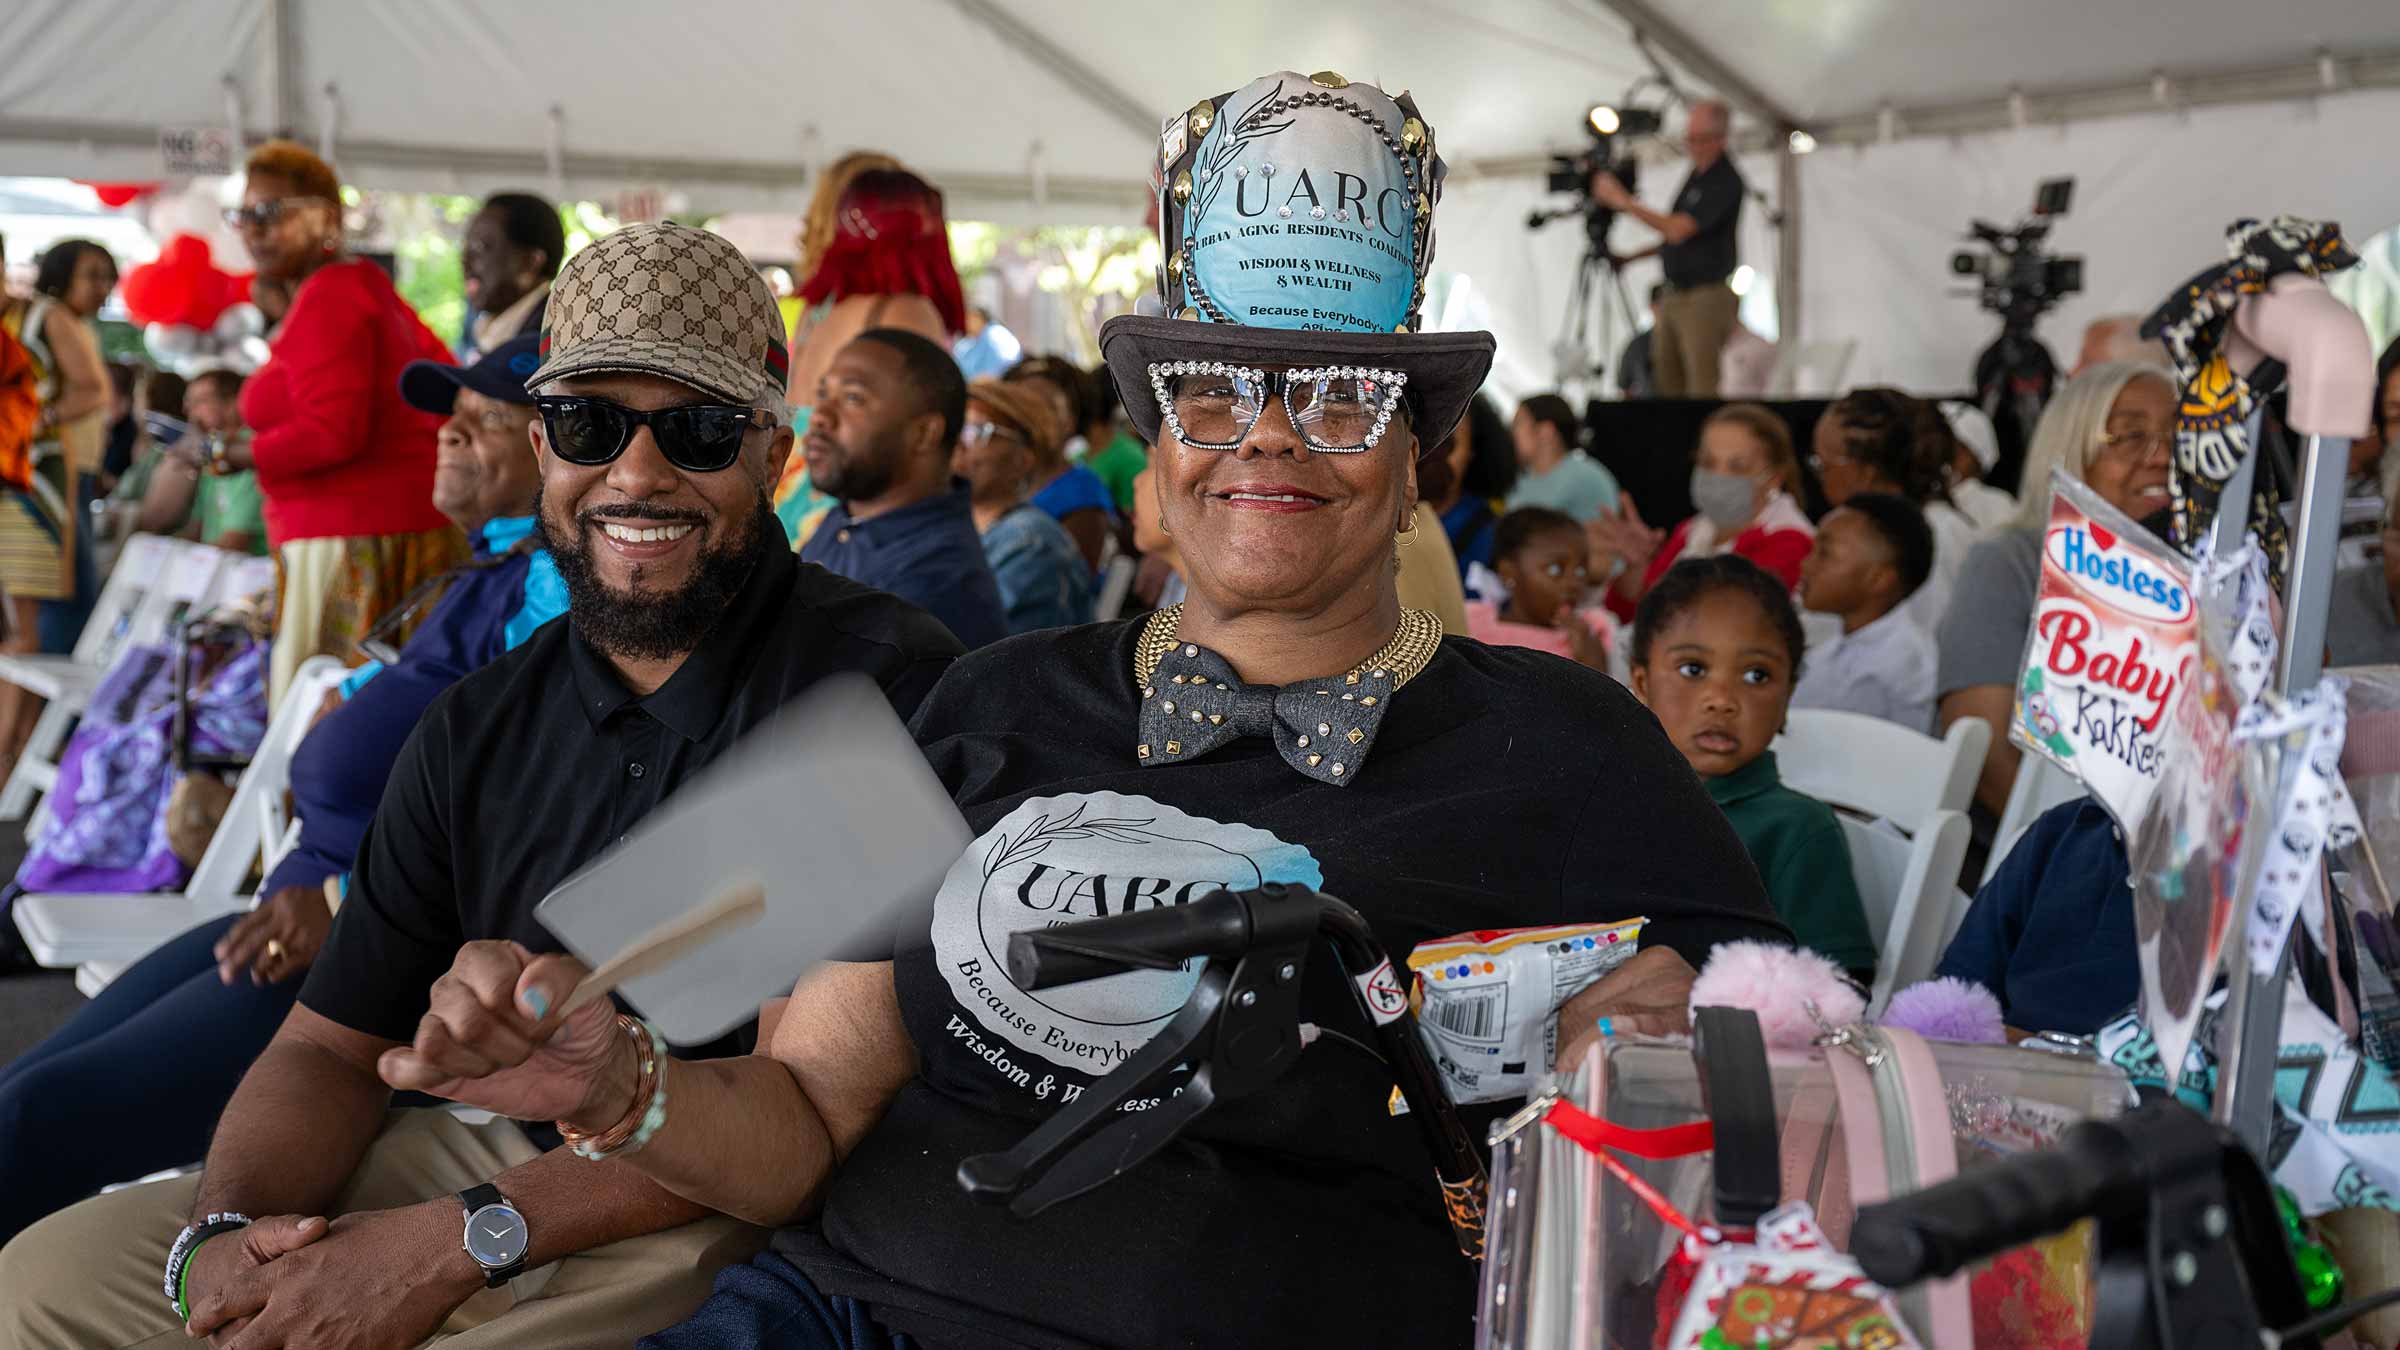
{"x":184,"y":286}
{"x":118,"y":194}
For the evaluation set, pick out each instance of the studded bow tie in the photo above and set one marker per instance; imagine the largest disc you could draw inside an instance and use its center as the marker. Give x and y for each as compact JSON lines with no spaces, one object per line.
{"x":1193,"y":702}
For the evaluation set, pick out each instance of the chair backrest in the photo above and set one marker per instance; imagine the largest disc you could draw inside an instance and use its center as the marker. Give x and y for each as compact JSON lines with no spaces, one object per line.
{"x":1811,"y":369}
{"x":256,"y":819}
{"x":1116,"y":582}
{"x":1879,"y":768}
{"x":1907,"y":886}
{"x":2040,"y":785}
{"x":140,"y":563}
{"x":189,"y":578}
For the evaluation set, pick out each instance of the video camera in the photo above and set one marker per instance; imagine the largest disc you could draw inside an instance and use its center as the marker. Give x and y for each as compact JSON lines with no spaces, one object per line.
{"x":1610,"y":129}
{"x":2020,"y":282}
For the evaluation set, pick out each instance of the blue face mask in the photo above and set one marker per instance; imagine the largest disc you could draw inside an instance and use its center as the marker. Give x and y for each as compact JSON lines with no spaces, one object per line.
{"x":1727,"y":500}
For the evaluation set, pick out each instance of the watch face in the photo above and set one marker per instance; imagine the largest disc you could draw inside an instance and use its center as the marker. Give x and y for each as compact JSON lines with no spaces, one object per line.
{"x":496,"y":1237}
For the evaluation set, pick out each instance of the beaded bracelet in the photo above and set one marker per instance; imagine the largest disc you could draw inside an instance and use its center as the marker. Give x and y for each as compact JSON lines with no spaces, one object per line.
{"x":644,"y":1115}
{"x":187,"y":1245}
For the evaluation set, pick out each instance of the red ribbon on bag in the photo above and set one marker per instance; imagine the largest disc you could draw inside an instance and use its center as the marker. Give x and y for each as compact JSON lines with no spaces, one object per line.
{"x":1595,"y":1134}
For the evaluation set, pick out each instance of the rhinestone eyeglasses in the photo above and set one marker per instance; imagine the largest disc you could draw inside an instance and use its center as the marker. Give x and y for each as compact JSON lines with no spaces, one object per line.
{"x":1211,"y":405}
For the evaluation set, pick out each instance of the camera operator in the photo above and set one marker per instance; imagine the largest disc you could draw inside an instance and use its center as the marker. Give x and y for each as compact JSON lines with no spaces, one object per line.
{"x":1697,"y":247}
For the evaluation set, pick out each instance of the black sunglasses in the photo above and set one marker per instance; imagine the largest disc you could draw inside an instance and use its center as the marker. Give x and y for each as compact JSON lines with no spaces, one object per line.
{"x":697,"y":437}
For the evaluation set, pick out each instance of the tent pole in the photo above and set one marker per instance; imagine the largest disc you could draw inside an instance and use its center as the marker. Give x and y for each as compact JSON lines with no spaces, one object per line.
{"x":1787,"y":246}
{"x":1700,"y":61}
{"x":1137,"y":115}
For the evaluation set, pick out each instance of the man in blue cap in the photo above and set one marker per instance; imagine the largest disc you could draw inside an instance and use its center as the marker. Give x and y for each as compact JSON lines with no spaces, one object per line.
{"x":159,"y":1057}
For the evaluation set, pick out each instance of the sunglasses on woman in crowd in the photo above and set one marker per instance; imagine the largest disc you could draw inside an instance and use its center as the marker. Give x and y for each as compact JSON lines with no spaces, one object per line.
{"x":263,"y":214}
{"x":696,"y":437}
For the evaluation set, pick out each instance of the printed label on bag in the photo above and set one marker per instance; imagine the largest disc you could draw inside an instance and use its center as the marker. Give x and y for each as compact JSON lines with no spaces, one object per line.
{"x":1489,"y":1000}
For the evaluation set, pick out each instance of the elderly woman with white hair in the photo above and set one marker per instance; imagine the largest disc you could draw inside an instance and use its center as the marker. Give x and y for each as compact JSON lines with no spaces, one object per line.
{"x":2113,"y":429}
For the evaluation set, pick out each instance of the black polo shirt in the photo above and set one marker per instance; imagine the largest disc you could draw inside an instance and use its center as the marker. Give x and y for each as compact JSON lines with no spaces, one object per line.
{"x":1713,"y":198}
{"x":524,"y":771}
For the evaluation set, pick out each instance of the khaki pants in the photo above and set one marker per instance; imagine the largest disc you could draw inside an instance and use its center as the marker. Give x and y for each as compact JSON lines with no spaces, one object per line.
{"x":1690,"y":342}
{"x":87,"y":1277}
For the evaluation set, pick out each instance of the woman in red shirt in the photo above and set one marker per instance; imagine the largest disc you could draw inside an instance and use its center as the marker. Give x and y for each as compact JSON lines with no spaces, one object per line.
{"x":346,"y":467}
{"x":1746,"y":484}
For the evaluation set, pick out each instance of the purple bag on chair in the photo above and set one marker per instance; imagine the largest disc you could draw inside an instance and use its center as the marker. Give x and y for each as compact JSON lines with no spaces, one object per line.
{"x":107,"y":826}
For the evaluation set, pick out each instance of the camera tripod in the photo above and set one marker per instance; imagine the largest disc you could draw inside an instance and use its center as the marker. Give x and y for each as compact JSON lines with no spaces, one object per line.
{"x":1599,"y":290}
{"x":2014,"y":378}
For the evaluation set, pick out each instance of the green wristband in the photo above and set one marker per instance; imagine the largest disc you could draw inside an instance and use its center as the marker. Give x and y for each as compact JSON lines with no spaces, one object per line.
{"x":183,"y":1279}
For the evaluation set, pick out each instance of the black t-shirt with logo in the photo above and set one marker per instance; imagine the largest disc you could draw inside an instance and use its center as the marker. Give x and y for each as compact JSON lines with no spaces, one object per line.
{"x":1506,"y":788}
{"x":1712,"y":198}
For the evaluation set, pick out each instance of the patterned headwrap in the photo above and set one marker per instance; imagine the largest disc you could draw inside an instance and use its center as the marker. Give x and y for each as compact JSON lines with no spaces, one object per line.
{"x":2212,"y":431}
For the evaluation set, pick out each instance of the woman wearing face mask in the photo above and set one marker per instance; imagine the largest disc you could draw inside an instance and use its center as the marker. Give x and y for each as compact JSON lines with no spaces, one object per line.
{"x":1746,"y":488}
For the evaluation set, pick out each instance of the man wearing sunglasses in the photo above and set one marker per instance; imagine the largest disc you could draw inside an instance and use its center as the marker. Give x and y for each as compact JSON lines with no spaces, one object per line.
{"x":320,"y":1220}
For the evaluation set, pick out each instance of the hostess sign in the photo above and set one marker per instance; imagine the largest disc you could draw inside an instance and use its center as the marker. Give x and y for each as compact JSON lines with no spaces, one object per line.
{"x":2089,"y":553}
{"x":2111,"y":647}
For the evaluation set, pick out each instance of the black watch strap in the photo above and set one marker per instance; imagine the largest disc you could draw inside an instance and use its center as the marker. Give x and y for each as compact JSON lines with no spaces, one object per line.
{"x":475,"y":1198}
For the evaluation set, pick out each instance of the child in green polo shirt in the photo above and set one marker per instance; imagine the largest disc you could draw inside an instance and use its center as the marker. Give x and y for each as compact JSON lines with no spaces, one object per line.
{"x":1716,"y":650}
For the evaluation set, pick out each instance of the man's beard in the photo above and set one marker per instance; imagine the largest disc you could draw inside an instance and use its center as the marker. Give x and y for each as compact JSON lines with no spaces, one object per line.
{"x":653,"y":625}
{"x":865,"y":475}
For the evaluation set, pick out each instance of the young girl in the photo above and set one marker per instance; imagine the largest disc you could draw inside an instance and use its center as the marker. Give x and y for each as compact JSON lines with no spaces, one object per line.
{"x":1716,"y":648}
{"x":1542,"y":558}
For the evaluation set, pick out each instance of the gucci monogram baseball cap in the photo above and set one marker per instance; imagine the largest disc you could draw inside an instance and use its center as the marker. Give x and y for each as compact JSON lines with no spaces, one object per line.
{"x":666,"y":300}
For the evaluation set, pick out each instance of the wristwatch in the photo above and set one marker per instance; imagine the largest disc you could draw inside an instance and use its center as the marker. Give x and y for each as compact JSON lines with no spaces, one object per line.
{"x":496,"y":1234}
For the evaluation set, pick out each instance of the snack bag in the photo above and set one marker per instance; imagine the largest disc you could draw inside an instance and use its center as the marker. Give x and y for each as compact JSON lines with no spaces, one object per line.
{"x":1487,"y":1002}
{"x":2113,"y":639}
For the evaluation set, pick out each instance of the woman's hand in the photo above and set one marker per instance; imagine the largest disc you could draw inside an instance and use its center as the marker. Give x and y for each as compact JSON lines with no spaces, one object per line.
{"x":1622,"y":542}
{"x":488,"y":1039}
{"x":278,"y":939}
{"x":1650,"y":995}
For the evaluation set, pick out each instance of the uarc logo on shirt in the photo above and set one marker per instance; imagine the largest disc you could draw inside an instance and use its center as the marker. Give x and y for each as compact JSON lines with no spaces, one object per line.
{"x":1059,"y":860}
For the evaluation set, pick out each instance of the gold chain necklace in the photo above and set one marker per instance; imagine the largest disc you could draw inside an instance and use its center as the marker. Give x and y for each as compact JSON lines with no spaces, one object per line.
{"x":1411,"y":647}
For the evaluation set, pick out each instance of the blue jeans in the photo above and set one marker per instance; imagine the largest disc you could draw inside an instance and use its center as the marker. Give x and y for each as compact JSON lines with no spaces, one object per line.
{"x":769,"y":1305}
{"x":134,"y":1082}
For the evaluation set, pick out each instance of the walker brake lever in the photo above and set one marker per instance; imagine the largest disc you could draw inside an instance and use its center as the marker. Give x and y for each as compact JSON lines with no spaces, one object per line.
{"x":1241,"y":1024}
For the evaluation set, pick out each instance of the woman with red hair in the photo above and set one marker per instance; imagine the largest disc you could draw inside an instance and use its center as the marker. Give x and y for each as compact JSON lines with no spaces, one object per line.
{"x":884,"y":264}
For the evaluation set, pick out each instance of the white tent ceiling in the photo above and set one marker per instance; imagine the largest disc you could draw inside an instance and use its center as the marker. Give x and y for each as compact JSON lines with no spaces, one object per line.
{"x":731,"y":100}
{"x":1046,"y":110}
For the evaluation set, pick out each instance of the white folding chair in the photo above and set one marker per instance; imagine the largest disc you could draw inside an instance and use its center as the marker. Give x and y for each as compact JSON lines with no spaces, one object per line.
{"x":2040,"y":785}
{"x":139,"y":566}
{"x":1879,"y":768}
{"x":1116,"y":582}
{"x":186,"y":575}
{"x":1908,"y":887}
{"x":67,"y":929}
{"x":1811,"y":369}
{"x":1902,"y":798}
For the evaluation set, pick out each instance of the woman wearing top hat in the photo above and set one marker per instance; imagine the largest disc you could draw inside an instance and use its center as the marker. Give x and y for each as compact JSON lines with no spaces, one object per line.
{"x":1290,"y":722}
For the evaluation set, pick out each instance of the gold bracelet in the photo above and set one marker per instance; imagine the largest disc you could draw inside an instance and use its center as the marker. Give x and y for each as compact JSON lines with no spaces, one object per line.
{"x":600,"y":1144}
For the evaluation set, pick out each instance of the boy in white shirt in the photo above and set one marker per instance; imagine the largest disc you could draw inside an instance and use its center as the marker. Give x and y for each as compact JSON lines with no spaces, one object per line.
{"x":1871,"y":554}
